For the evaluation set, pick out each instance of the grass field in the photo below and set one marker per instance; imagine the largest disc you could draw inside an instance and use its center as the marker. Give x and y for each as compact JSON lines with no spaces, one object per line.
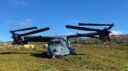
{"x":89,"y":57}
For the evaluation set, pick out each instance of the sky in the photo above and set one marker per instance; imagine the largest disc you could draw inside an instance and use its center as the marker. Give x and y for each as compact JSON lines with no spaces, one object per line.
{"x":16,"y":14}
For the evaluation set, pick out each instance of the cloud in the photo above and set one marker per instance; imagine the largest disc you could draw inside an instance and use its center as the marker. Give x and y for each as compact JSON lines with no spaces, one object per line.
{"x":18,"y":2}
{"x":24,"y":22}
{"x":116,"y":32}
{"x":69,"y":33}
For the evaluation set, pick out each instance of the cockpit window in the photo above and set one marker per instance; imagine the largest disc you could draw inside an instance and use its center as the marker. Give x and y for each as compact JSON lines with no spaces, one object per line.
{"x":57,"y":43}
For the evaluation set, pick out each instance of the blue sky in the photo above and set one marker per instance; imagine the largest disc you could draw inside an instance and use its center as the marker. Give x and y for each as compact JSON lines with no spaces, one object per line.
{"x":56,"y":14}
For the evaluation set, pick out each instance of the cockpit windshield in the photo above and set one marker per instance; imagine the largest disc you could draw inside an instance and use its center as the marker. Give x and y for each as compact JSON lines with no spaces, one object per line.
{"x":55,"y":43}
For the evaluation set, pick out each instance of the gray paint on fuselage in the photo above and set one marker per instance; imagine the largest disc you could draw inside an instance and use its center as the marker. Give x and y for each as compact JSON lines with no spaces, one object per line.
{"x":59,"y":46}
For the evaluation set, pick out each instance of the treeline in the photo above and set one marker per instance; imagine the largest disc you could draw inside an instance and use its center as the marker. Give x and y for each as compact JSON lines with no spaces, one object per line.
{"x":120,"y":39}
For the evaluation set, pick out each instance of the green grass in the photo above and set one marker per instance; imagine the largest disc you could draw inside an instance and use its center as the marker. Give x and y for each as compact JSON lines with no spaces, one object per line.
{"x":87,"y":58}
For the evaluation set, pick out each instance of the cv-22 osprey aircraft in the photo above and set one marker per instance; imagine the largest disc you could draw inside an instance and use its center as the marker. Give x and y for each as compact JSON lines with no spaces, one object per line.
{"x":57,"y":45}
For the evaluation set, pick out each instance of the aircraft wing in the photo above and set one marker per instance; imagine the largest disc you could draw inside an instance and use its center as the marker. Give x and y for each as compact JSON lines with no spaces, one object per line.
{"x":92,"y":35}
{"x":37,"y":38}
{"x":27,"y":39}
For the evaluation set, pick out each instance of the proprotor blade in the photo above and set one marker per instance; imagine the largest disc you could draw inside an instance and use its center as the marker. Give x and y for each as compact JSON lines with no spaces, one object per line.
{"x":25,"y":29}
{"x":92,"y":24}
{"x":110,"y":26}
{"x":82,"y":28}
{"x":36,"y":31}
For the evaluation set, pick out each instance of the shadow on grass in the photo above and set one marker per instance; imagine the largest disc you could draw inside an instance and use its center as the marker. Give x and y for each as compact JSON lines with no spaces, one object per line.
{"x":78,"y":54}
{"x":14,"y":53}
{"x":44,"y":55}
{"x":40,"y":55}
{"x":36,"y":54}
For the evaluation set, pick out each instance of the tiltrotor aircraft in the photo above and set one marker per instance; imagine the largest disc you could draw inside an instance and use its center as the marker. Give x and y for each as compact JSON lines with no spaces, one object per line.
{"x":57,"y":45}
